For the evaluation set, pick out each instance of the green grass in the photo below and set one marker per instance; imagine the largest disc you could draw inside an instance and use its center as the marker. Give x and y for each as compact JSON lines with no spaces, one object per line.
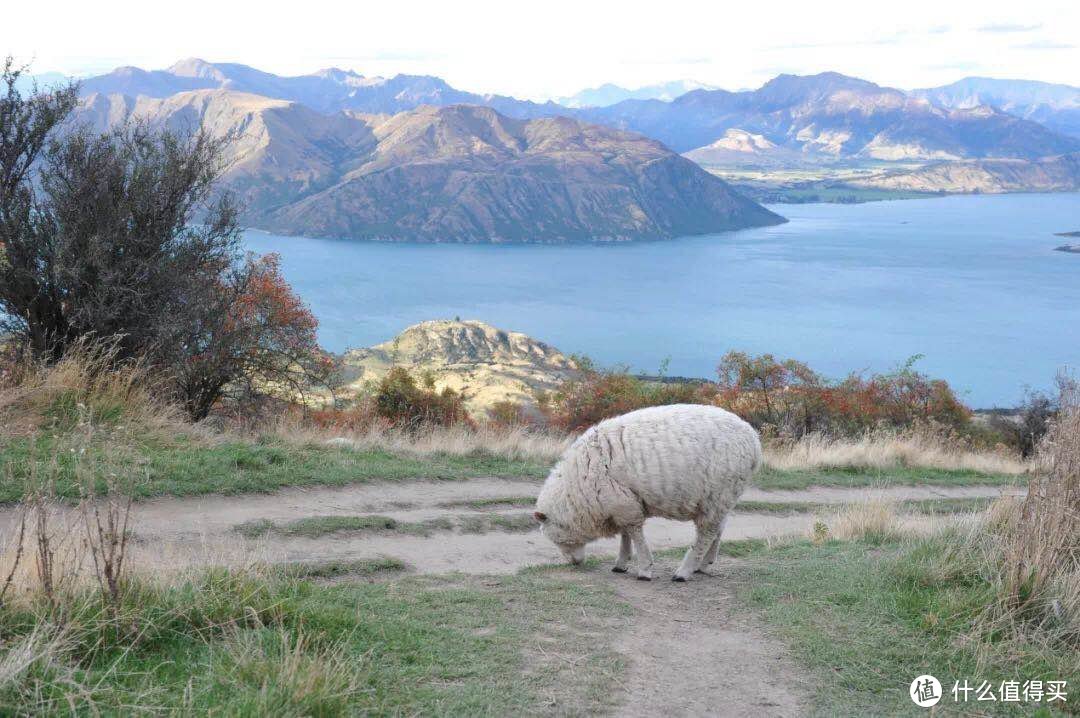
{"x":315,"y":526}
{"x":239,"y":645}
{"x":338,"y":569}
{"x":186,"y":468}
{"x":486,"y":523}
{"x":773,"y":479}
{"x":867,"y":619}
{"x":841,"y":194}
{"x":491,"y":503}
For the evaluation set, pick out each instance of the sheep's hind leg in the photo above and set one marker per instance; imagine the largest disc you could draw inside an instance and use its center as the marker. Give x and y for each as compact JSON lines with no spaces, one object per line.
{"x":695,"y":555}
{"x":644,"y":555}
{"x":624,"y":553}
{"x":710,"y":556}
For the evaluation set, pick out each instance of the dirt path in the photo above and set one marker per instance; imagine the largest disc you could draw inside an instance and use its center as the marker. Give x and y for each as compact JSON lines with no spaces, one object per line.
{"x":202,"y":529}
{"x":692,"y":652}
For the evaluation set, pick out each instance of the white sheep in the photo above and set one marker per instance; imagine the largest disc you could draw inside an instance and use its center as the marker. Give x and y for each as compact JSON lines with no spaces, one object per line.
{"x":686,"y":462}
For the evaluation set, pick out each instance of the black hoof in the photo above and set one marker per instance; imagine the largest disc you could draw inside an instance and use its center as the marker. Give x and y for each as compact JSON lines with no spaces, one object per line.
{"x":616,"y":569}
{"x":678,"y":579}
{"x":643,"y":578}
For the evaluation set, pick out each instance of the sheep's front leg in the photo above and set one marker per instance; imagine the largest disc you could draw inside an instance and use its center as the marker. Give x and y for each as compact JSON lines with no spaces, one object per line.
{"x":644,"y":555}
{"x":624,"y":553}
{"x":710,"y":556}
{"x":696,"y":553}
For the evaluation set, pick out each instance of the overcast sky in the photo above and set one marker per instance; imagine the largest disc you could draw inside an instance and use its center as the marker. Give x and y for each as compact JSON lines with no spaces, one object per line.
{"x":556,"y":47}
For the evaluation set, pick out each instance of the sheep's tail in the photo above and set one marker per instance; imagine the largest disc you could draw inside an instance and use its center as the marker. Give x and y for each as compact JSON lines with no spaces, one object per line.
{"x":759,"y":456}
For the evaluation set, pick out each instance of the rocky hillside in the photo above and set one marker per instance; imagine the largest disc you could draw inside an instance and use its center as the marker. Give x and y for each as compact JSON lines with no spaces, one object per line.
{"x":486,"y":364}
{"x":446,"y":174}
{"x":741,"y":148}
{"x":1050,"y":174}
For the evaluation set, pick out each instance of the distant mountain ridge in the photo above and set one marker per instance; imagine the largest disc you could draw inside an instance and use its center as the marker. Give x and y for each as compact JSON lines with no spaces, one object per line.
{"x":836,"y":116}
{"x":459,"y":173}
{"x":609,"y":94}
{"x":826,"y":115}
{"x":327,"y":91}
{"x":1053,"y":105}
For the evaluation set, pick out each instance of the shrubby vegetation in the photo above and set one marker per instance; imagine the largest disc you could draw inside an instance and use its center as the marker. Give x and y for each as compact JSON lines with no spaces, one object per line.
{"x":120,"y":238}
{"x":1025,"y":428}
{"x":783,"y":398}
{"x":598,"y":394}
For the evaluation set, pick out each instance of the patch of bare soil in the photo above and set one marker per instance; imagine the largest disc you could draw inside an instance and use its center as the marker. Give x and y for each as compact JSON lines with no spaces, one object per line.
{"x":691,"y":650}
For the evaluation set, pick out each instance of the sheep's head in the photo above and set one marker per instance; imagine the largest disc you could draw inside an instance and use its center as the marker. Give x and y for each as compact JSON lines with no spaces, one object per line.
{"x":561,"y":536}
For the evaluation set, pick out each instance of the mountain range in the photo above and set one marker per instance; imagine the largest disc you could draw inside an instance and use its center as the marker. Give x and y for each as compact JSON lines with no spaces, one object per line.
{"x":833,"y":115}
{"x":336,"y":153}
{"x":825,"y":115}
{"x":1054,"y":106}
{"x":327,"y":91}
{"x":460,"y":173}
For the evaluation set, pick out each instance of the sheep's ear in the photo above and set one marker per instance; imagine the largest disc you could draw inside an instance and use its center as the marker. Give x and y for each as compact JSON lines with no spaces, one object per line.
{"x":540,"y":516}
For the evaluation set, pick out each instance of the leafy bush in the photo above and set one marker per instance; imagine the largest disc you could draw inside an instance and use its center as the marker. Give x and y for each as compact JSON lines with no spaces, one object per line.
{"x":787,"y":398}
{"x":122,"y":237}
{"x":507,"y":414}
{"x":261,"y":339}
{"x":408,"y":405}
{"x":1025,"y":428}
{"x":779,"y":397}
{"x":599,"y":394}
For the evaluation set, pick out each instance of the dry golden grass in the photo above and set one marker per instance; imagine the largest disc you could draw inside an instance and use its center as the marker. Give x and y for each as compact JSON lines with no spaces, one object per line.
{"x":88,"y":384}
{"x":874,"y":520}
{"x":1040,"y":567}
{"x":887,"y":451}
{"x":460,"y":440}
{"x":880,"y":451}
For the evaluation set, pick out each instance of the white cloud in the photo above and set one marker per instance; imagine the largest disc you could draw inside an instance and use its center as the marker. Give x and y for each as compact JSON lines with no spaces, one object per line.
{"x":557,"y":47}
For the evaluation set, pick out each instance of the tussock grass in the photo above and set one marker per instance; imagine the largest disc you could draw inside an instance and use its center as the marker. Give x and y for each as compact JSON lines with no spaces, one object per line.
{"x":1032,"y":548}
{"x":513,"y":443}
{"x":86,"y":384}
{"x":872,"y":521}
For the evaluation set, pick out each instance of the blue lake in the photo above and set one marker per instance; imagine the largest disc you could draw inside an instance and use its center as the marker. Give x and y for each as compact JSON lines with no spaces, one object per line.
{"x":970,"y":282}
